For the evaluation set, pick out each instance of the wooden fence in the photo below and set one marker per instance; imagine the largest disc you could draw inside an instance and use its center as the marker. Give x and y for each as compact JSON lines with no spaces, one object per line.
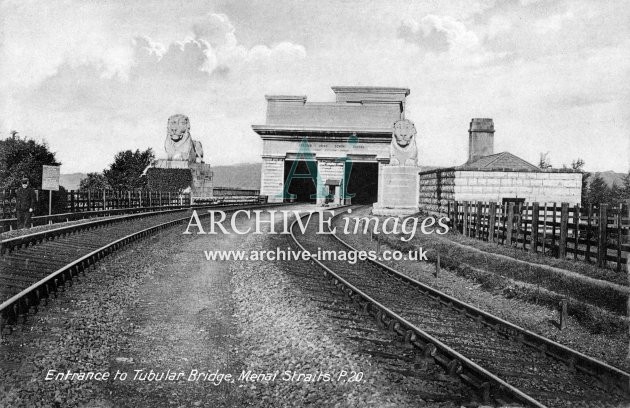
{"x":593,"y":234}
{"x":101,"y":200}
{"x":229,"y":191}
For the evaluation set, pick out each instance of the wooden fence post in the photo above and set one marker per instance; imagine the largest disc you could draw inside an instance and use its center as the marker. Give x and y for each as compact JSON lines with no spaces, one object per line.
{"x":602,"y":251}
{"x":456,"y":216}
{"x":478,"y":220}
{"x":533,"y":246}
{"x":564,"y":230}
{"x":437,"y":265}
{"x":504,"y":211}
{"x":104,"y":200}
{"x":628,"y":276}
{"x":544,"y":241}
{"x":492,"y":214}
{"x":619,"y":212}
{"x":553,"y":228}
{"x":71,"y":200}
{"x":589,"y":232}
{"x":519,"y":217}
{"x":465,"y":224}
{"x":564,"y":315}
{"x":89,"y":200}
{"x":448,"y":209}
{"x":509,"y":225}
{"x":524,"y":211}
{"x":576,"y":230}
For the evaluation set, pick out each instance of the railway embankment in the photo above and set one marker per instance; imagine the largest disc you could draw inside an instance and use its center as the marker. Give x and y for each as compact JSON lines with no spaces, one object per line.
{"x":522,"y":293}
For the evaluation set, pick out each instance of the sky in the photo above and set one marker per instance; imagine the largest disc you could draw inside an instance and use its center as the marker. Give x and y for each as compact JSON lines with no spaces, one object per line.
{"x":91,"y":78}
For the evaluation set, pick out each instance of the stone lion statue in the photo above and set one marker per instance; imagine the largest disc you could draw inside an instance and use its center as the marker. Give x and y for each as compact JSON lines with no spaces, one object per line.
{"x":403,"y":149}
{"x":179,"y":145}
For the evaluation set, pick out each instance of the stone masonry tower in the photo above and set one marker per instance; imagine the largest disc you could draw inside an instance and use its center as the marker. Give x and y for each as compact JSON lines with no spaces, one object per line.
{"x":480,"y":139}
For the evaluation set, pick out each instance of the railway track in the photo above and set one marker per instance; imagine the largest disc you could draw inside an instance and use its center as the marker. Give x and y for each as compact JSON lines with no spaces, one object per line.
{"x":35,"y":266}
{"x":423,"y":381}
{"x":505,"y":363}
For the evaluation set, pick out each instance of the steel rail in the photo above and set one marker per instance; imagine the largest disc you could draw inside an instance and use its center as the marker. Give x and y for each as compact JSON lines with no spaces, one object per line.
{"x":10,"y":244}
{"x":455,"y":363}
{"x":591,"y":366}
{"x":21,"y":303}
{"x":7,"y":223}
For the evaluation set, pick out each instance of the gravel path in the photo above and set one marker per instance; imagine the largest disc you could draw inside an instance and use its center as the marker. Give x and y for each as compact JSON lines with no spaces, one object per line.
{"x":183,"y":321}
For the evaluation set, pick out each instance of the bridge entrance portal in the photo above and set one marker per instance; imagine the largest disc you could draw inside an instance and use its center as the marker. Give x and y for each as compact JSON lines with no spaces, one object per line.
{"x":303,"y":188}
{"x":355,"y":128}
{"x":363,"y":183}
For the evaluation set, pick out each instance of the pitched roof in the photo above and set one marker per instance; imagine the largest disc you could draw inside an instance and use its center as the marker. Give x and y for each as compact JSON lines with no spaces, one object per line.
{"x":498,"y":161}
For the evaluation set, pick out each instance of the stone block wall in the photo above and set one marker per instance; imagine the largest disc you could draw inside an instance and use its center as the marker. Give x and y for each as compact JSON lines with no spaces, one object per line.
{"x":272,"y":178}
{"x":202,"y":185}
{"x":397,"y":191}
{"x":493,"y":186}
{"x":436,"y":189}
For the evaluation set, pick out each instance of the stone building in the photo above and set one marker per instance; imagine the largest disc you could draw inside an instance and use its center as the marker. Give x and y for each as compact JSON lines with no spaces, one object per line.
{"x":495,"y":177}
{"x":339,"y":144}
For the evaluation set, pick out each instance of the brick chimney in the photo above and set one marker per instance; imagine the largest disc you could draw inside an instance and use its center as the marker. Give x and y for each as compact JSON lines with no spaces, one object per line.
{"x":480,"y":139}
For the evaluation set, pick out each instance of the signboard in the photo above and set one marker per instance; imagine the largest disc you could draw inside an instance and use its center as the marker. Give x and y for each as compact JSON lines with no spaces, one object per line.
{"x":50,"y":178}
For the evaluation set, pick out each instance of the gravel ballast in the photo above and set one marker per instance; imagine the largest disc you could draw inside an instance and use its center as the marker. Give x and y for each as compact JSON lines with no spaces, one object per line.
{"x":159,"y":305}
{"x":284,"y":330}
{"x":611,"y":348}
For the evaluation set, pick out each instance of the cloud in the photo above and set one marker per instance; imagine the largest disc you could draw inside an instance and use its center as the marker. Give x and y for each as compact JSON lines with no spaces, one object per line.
{"x":188,"y":60}
{"x":224,"y":51}
{"x":98,"y":81}
{"x":37,"y":40}
{"x":90,"y":108}
{"x":498,"y":25}
{"x":217,"y":29}
{"x":213,"y":50}
{"x":554,"y":22}
{"x":439,"y":34}
{"x":530,"y":2}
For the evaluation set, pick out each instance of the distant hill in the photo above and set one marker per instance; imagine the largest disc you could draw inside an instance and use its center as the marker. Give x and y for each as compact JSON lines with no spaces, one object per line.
{"x":71,"y":181}
{"x":247,"y":175}
{"x":610,"y":177}
{"x":244,"y":175}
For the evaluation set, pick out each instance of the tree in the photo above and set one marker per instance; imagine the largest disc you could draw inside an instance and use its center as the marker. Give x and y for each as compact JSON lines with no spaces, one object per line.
{"x":94,"y":181}
{"x":578,"y":164}
{"x":22,"y":157}
{"x":598,"y":191}
{"x":544,"y":162}
{"x":625,"y":187}
{"x":126,"y":170}
{"x":615,"y":195}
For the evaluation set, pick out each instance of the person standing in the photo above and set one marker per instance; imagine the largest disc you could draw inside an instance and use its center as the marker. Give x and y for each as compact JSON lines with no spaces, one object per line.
{"x":25,"y":203}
